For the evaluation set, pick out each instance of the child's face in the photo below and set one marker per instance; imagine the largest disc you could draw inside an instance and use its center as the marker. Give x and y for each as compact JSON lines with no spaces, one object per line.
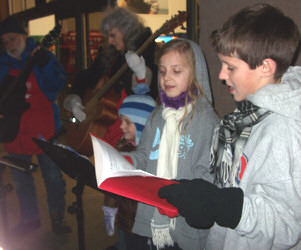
{"x":128,"y":128}
{"x":174,"y":74}
{"x":241,"y":80}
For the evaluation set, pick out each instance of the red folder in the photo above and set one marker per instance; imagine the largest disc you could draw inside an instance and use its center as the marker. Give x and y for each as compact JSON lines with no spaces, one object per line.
{"x":141,"y":188}
{"x":116,"y":175}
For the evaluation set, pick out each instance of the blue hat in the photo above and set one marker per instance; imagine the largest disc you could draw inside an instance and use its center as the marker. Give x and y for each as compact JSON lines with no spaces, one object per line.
{"x":11,"y":24}
{"x":137,"y":108}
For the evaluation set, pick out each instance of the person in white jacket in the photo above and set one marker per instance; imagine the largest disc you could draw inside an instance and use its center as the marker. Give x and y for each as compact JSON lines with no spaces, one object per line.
{"x":255,"y":200}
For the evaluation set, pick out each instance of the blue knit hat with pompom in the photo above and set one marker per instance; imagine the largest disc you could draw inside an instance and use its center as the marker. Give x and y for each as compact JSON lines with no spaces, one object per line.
{"x":137,"y":108}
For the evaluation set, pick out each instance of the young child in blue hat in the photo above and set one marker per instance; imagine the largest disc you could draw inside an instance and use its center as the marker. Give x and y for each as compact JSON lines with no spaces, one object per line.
{"x":134,"y":112}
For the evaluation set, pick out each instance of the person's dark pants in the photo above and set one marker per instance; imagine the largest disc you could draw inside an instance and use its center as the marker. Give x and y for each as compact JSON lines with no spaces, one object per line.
{"x":26,"y":192}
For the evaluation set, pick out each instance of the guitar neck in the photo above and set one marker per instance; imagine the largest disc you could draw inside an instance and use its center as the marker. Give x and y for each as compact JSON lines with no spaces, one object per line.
{"x":166,"y":28}
{"x":101,"y":92}
{"x":147,"y":43}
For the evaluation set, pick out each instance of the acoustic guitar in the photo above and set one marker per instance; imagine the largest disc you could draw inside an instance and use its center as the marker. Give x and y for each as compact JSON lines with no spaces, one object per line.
{"x":10,"y":123}
{"x":101,"y":112}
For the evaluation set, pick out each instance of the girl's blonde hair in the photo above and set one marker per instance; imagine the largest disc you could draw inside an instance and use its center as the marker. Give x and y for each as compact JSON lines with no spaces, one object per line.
{"x":194,"y":90}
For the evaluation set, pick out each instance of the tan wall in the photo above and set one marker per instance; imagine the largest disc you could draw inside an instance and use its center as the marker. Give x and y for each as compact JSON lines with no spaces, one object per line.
{"x":213,"y":13}
{"x":3,"y":10}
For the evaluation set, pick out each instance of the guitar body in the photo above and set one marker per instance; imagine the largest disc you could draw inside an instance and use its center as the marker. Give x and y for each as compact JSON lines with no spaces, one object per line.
{"x":105,"y":111}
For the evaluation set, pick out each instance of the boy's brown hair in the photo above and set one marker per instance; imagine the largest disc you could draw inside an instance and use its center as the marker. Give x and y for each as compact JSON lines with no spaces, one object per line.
{"x":256,"y":33}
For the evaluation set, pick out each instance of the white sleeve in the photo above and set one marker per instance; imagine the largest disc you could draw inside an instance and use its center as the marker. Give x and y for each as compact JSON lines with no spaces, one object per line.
{"x":272,"y":186}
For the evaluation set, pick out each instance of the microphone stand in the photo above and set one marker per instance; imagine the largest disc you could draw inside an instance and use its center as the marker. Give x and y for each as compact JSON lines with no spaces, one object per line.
{"x":77,"y":208}
{"x":78,"y":168}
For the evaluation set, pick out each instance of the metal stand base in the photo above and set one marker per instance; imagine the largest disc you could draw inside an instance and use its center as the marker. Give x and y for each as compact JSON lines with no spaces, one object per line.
{"x":77,"y":208}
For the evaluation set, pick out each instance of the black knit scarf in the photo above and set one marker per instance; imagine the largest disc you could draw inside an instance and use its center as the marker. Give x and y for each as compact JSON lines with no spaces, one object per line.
{"x":229,"y":139}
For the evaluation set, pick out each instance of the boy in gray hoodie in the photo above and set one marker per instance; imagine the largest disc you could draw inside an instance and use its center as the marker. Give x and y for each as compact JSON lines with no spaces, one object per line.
{"x":255,"y":202}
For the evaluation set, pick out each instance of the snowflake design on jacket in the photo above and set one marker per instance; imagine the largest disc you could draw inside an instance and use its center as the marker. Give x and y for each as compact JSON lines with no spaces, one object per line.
{"x":185,"y":145}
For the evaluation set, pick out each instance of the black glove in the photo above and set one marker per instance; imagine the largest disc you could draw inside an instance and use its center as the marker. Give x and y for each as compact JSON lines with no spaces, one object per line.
{"x":202,"y":203}
{"x":41,"y":57}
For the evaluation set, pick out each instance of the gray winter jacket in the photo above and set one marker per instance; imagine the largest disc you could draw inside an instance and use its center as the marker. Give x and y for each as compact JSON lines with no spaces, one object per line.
{"x":193,"y":157}
{"x":193,"y":162}
{"x":270,"y":174}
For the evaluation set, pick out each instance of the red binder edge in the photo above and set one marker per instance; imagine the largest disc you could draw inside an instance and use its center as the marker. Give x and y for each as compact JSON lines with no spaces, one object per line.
{"x":143,"y":189}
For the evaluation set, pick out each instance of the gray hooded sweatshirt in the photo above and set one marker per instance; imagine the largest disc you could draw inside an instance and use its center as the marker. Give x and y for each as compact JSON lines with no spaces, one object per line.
{"x":270,"y":174}
{"x":193,"y":157}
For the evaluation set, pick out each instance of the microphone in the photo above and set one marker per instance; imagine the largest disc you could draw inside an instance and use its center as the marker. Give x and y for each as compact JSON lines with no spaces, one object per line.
{"x":19,"y":164}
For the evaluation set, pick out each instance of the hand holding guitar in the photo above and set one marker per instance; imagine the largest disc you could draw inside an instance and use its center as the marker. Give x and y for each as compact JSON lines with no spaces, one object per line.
{"x":73,"y":103}
{"x":41,"y":57}
{"x":136,"y":63}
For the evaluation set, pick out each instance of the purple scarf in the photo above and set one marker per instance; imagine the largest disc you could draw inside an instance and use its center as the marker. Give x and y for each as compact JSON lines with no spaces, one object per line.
{"x":173,"y":102}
